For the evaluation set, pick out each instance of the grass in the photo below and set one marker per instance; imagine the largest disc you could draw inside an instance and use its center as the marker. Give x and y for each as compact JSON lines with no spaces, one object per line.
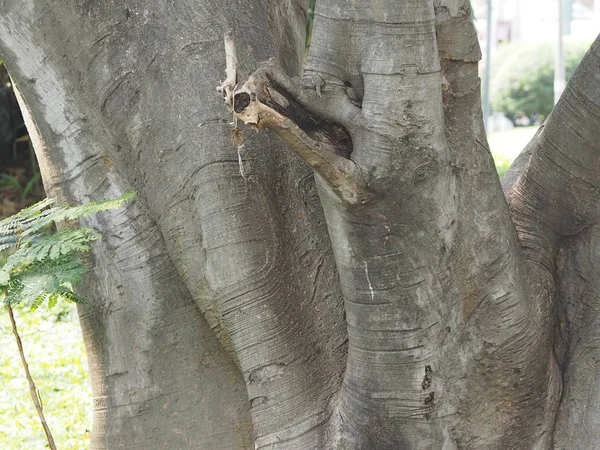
{"x":506,"y":145}
{"x":54,"y":349}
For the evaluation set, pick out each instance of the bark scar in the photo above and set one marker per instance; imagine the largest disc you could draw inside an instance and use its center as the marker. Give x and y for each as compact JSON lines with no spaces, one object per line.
{"x":426,"y":384}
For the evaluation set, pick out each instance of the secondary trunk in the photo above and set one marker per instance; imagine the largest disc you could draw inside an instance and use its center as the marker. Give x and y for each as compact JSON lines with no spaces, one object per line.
{"x":398,"y":301}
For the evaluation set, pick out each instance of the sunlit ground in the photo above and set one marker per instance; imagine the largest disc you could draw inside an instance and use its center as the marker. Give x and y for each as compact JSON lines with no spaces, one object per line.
{"x":506,"y":145}
{"x":55,"y":353}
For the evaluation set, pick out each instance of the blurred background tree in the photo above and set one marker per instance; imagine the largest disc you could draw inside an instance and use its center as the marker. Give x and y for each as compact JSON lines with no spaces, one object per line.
{"x":523,"y":77}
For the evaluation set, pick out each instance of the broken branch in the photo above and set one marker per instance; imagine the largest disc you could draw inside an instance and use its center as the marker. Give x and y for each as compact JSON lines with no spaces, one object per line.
{"x":228,"y":86}
{"x":270,"y":99}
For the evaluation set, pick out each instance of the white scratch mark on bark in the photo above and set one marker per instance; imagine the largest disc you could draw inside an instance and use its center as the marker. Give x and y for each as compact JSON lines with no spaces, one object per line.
{"x":241,"y":163}
{"x":369,"y":281}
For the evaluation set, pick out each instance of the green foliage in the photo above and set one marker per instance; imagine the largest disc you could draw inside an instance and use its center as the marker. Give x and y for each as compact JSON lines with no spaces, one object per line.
{"x":24,"y":188}
{"x":31,"y":220}
{"x":42,"y":266}
{"x":523,"y":79}
{"x":310,"y":17}
{"x":507,"y":145}
{"x":9,"y":181}
{"x":31,"y":184}
{"x":502,"y":165}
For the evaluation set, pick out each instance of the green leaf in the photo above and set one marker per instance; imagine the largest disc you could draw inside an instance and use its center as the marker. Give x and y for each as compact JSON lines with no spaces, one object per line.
{"x":33,"y":181}
{"x":46,"y":280}
{"x":4,"y":278}
{"x":52,"y":301}
{"x":51,"y":246}
{"x":44,"y":266}
{"x":60,"y":214}
{"x":35,"y":218}
{"x":11,"y":226}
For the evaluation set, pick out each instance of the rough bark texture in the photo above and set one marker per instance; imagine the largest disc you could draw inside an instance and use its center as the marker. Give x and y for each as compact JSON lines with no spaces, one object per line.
{"x":398,"y":302}
{"x":123,"y":97}
{"x":554,"y":202}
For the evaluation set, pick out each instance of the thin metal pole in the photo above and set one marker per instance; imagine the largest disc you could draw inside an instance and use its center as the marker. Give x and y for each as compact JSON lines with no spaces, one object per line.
{"x":559,"y":60}
{"x":488,"y":63}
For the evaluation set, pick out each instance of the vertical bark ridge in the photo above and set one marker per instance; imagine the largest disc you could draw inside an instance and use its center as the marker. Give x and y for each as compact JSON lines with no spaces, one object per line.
{"x":578,"y":338}
{"x":421,"y":293}
{"x":507,"y":324}
{"x":390,"y":252}
{"x":140,"y":322}
{"x":554,"y":202}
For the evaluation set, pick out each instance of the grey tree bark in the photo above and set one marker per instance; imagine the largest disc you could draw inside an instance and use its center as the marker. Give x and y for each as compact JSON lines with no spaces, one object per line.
{"x":355,"y":277}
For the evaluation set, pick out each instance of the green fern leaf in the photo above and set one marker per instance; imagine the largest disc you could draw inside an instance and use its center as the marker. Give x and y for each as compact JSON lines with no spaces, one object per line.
{"x":65,"y":270}
{"x":51,"y":246}
{"x":11,"y":226}
{"x":39,"y":300}
{"x":61,"y":214}
{"x":44,"y":266}
{"x":13,"y":292}
{"x":34,"y":219}
{"x":52,"y":300}
{"x":44,"y":279}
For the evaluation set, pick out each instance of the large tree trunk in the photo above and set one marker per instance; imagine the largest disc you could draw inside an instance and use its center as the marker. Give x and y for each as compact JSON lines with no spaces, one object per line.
{"x":368,"y":286}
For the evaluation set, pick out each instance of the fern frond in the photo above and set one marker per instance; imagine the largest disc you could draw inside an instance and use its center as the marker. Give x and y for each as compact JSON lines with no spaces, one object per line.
{"x":52,"y":300}
{"x":39,"y":300}
{"x":65,"y":270}
{"x":51,"y":246}
{"x":13,"y":292}
{"x":6,"y":244}
{"x":44,"y":266}
{"x":34,"y":219}
{"x":12,"y":226}
{"x":44,"y":280}
{"x":62,"y":213}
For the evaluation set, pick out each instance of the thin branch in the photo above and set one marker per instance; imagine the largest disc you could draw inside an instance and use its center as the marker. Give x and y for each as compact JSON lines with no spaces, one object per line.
{"x":35,"y":396}
{"x":342,"y":175}
{"x":269,"y":98}
{"x":321,"y":94}
{"x":228,"y":86}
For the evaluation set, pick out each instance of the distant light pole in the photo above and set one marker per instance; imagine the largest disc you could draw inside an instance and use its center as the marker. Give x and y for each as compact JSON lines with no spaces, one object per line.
{"x":516,"y":35}
{"x":559,"y":60}
{"x":488,"y":63}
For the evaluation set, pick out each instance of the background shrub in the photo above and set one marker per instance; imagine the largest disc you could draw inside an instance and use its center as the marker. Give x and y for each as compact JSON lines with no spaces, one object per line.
{"x":523,"y":76}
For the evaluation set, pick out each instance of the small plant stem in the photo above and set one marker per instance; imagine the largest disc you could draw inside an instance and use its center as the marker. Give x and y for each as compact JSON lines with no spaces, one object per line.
{"x":35,"y":396}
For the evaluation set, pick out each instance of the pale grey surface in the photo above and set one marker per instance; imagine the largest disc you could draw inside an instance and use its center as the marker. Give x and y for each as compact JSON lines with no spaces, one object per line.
{"x":238,"y":308}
